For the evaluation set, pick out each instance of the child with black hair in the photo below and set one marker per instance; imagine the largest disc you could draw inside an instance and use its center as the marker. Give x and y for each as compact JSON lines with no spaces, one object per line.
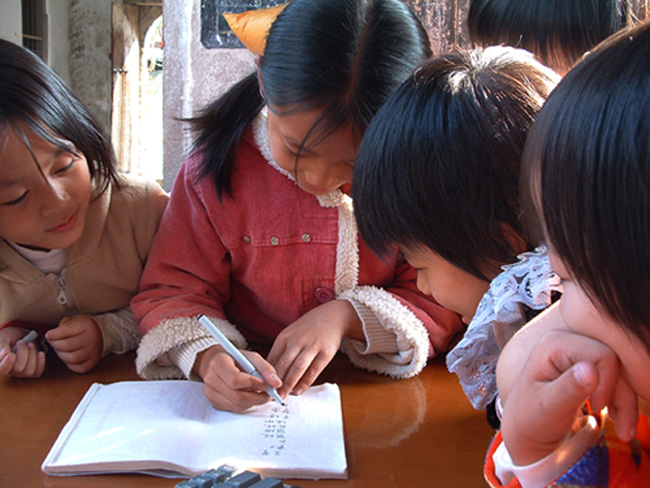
{"x":444,"y":188}
{"x":587,"y":168}
{"x":260,"y":233}
{"x":74,"y":234}
{"x":558,"y":32}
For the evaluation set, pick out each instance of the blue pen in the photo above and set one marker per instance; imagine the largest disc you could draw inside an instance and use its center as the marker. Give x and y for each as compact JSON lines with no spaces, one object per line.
{"x":238,"y":356}
{"x":31,"y":336}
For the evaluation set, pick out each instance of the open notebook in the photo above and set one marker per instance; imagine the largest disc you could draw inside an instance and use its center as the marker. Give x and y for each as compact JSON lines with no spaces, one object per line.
{"x":168,"y":428}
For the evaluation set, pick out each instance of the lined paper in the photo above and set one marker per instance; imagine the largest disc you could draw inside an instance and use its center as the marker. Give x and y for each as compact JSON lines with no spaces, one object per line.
{"x":167,"y":427}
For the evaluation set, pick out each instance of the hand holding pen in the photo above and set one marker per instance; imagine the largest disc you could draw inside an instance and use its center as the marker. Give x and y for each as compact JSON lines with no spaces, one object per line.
{"x":31,"y":336}
{"x":22,"y":359}
{"x":227,"y":387}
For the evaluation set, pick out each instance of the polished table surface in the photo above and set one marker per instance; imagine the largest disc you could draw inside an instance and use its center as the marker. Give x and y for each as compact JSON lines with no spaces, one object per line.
{"x":420,"y":432}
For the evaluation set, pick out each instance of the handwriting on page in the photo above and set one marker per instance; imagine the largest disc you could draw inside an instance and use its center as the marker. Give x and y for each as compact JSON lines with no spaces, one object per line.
{"x":275,"y":431}
{"x":139,"y":426}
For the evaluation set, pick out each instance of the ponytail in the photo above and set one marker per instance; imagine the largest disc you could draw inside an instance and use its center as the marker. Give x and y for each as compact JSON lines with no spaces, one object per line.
{"x":220,"y":126}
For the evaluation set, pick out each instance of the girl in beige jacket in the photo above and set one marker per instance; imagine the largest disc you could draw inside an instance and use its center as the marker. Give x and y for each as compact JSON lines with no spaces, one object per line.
{"x":74,"y":233}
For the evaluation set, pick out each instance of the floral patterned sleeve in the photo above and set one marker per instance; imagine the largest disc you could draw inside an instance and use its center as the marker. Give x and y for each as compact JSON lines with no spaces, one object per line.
{"x":527,"y":284}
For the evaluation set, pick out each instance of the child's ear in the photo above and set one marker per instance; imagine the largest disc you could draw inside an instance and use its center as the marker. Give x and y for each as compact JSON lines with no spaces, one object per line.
{"x":514,"y":238}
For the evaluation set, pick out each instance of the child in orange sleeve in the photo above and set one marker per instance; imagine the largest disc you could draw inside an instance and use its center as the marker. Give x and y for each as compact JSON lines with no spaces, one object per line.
{"x":587,"y":170}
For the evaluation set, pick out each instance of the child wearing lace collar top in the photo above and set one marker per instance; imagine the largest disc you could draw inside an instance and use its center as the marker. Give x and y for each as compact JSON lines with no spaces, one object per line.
{"x":445,"y":189}
{"x":260,"y":235}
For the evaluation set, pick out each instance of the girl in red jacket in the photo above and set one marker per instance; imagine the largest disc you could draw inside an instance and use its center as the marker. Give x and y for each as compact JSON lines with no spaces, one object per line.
{"x":260,"y":234}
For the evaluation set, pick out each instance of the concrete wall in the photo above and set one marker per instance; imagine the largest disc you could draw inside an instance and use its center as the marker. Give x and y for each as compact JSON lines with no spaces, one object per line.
{"x":58,"y":51}
{"x":90,"y":35}
{"x":10,"y":21}
{"x":192,"y":77}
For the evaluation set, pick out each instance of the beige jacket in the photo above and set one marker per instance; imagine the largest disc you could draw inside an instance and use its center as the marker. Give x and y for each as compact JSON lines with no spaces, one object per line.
{"x":103,"y":267}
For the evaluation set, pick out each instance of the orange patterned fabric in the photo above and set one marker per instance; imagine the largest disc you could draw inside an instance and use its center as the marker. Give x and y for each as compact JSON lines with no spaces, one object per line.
{"x":490,"y":469}
{"x":608,"y":463}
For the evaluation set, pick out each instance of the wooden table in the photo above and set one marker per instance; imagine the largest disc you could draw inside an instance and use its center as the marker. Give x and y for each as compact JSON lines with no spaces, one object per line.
{"x":420,"y":432}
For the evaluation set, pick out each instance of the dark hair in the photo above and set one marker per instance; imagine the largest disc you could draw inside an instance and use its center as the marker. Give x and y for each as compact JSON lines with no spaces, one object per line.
{"x":558,"y":32}
{"x":345,"y":56}
{"x":34,"y":95}
{"x":588,"y":156}
{"x":439,"y":164}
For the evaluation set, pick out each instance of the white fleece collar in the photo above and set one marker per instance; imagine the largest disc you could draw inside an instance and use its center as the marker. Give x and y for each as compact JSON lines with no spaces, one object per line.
{"x":347,"y":259}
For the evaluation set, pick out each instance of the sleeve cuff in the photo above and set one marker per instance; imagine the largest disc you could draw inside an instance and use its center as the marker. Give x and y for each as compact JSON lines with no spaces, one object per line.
{"x":169,"y":349}
{"x":111,"y":340}
{"x":184,"y":356}
{"x":543,"y":472}
{"x":410,"y":335}
{"x":378,"y":339}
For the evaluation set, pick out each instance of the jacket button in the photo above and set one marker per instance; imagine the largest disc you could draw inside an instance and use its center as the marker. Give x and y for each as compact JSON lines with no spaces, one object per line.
{"x":322,"y":294}
{"x":275,"y":241}
{"x":246,"y":239}
{"x":306,"y":238}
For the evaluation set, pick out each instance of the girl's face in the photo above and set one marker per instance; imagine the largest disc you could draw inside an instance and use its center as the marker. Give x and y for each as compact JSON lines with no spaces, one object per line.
{"x":41,"y":211}
{"x":323,"y":166}
{"x":583,"y":317}
{"x":452,"y":287}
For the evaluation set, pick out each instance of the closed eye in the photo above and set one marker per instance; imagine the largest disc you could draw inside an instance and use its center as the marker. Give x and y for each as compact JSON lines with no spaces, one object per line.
{"x":291,"y":151}
{"x":68,"y":166}
{"x":16,"y":201}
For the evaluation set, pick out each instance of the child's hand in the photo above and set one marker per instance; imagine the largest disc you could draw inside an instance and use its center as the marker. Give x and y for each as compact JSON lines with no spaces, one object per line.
{"x":519,"y":348}
{"x":78,"y":342}
{"x":26,"y":362}
{"x":304,"y":348}
{"x":562,"y":371}
{"x":227,"y":387}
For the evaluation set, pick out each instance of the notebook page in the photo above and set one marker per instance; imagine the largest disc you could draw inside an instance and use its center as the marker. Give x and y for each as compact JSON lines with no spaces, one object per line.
{"x":306,"y":435}
{"x":142,"y":425}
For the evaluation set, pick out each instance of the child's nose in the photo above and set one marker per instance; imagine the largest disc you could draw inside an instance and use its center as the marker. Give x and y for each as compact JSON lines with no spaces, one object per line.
{"x":326,"y":176}
{"x":54,"y":196}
